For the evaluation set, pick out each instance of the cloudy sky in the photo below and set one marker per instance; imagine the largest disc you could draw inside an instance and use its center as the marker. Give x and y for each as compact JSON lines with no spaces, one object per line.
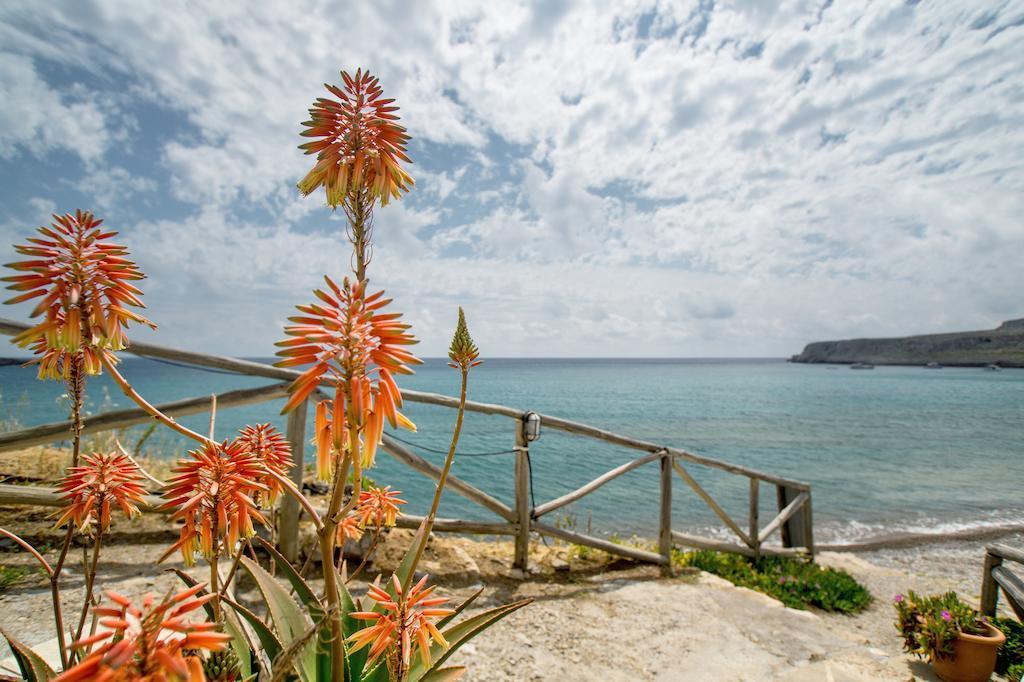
{"x":598,"y":179}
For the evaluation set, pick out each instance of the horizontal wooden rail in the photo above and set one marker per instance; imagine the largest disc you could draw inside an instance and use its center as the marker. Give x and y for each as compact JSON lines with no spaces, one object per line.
{"x":403,"y":454}
{"x":1006,"y":552}
{"x":625,"y":441}
{"x":117,"y":419}
{"x":1013,"y":586}
{"x":722,"y":546}
{"x":39,"y":496}
{"x":458,"y":525}
{"x":568,"y":498}
{"x":597,"y":543}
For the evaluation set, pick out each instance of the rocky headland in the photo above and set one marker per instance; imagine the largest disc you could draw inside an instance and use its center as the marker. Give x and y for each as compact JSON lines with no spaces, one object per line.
{"x":1002,"y":346}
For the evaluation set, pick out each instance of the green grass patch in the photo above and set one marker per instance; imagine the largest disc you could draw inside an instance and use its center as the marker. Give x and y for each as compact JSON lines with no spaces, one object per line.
{"x":796,"y":583}
{"x":1010,"y":660}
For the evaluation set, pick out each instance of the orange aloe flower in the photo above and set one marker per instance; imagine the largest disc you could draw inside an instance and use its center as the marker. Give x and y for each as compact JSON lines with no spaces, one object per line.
{"x":270,"y":449}
{"x":151,"y":644}
{"x":406,"y":620}
{"x":85,"y":284}
{"x":89,"y":490}
{"x":349,"y":529}
{"x":348,"y":338}
{"x":212,"y":492}
{"x":360,"y":144}
{"x":378,"y":507}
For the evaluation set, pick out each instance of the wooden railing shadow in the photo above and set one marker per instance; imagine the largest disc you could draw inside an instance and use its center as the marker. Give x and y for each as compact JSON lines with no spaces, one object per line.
{"x":793,"y":520}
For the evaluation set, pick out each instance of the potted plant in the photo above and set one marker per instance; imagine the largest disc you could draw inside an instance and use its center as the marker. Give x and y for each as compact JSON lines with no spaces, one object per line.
{"x":960,"y":643}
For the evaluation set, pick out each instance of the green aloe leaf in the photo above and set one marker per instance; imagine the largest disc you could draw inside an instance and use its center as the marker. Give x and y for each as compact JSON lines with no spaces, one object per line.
{"x":445,"y":674}
{"x":349,"y":625}
{"x":290,"y":621}
{"x":313,"y":606}
{"x":232,"y":626}
{"x":460,"y":608}
{"x":459,"y":634}
{"x":33,"y":667}
{"x":268,"y":640}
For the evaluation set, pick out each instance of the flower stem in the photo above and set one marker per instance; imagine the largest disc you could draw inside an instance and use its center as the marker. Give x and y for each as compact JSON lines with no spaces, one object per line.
{"x":428,"y":522}
{"x":90,"y":579}
{"x":127,"y":389}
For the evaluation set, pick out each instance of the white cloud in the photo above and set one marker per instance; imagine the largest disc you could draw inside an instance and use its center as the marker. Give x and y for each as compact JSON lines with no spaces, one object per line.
{"x":38,"y":118}
{"x":642,"y":178}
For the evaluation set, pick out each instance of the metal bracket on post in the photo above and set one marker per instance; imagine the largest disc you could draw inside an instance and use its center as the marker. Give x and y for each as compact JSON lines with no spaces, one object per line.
{"x":288,"y":529}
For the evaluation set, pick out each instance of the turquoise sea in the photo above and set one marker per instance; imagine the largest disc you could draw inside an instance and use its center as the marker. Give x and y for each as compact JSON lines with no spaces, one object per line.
{"x":894,"y":450}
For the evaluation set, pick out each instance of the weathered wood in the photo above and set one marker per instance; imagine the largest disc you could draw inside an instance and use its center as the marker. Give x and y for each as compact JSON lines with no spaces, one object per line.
{"x":781,"y":501}
{"x":1013,"y":586}
{"x":755,"y":540}
{"x":1006,"y":552}
{"x":522,"y":481}
{"x":288,"y":532}
{"x":571,"y":497}
{"x":616,"y":439}
{"x":665,"y":520}
{"x":808,"y":523}
{"x":117,"y":419}
{"x":597,"y":543}
{"x":730,"y":547}
{"x":39,"y":496}
{"x":403,"y":454}
{"x":783,"y":516}
{"x":459,"y":526}
{"x":714,"y":506}
{"x":989,"y":588}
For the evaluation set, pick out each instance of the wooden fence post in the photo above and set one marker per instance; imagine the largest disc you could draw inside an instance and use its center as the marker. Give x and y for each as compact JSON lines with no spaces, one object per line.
{"x":989,"y":588}
{"x":755,"y":543}
{"x":808,"y":526}
{"x":665,"y":522}
{"x":288,"y":529}
{"x":522,"y":473}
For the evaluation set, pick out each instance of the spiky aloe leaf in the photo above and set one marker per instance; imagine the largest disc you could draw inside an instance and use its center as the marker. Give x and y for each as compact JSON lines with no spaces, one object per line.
{"x":240,"y":641}
{"x":357,"y":659}
{"x":33,"y":667}
{"x":290,"y":620}
{"x":445,"y":674}
{"x":459,"y":634}
{"x":268,"y":640}
{"x":460,"y":608}
{"x":407,"y":568}
{"x":313,"y":606}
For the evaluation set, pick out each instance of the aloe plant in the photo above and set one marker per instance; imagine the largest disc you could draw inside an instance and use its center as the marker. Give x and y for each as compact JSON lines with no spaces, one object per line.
{"x":347,"y":340}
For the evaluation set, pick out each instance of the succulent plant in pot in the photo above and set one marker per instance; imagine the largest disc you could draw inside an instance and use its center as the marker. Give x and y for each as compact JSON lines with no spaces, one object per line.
{"x":960,"y":643}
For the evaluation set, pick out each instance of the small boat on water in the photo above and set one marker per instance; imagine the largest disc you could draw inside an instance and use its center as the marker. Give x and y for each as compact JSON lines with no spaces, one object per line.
{"x":994,"y":368}
{"x":862,"y":365}
{"x":933,"y":365}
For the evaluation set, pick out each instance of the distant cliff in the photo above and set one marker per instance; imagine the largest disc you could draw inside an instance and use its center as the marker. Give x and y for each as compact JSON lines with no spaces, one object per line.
{"x":1002,"y":346}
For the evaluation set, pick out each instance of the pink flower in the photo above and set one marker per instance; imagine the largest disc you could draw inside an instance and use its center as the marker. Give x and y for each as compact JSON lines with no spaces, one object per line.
{"x":898,"y":598}
{"x":946,"y":617}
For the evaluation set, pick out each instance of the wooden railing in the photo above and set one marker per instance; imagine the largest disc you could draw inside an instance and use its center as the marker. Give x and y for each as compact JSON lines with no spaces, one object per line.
{"x":997,"y":575}
{"x":793,"y":498}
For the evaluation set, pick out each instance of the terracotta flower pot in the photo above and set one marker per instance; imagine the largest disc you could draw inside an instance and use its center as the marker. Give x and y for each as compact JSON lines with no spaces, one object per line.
{"x":974,"y":657}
